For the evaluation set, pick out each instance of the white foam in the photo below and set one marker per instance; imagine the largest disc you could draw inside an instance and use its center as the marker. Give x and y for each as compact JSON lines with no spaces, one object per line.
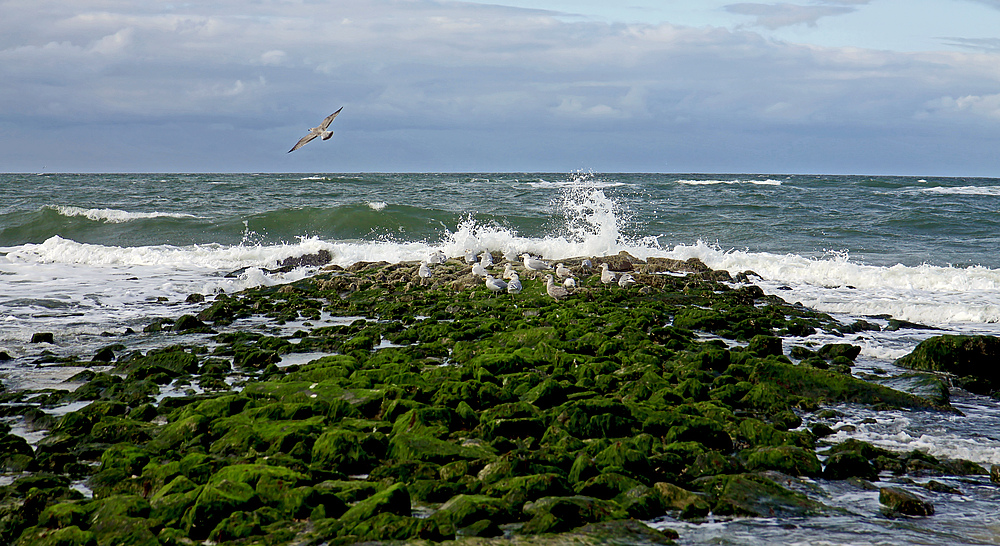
{"x":115,"y":216}
{"x":960,"y":190}
{"x":767,"y":182}
{"x":377,"y":205}
{"x":834,"y":284}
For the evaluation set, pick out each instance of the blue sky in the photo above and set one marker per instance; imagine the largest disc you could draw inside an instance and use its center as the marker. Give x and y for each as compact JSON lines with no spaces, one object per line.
{"x":802,"y":86}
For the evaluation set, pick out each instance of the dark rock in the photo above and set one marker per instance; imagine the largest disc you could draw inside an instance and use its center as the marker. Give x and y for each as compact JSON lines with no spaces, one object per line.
{"x":831,"y":351}
{"x":896,"y":324}
{"x":900,"y":501}
{"x":848,"y":464}
{"x":756,"y":496}
{"x":316,"y":259}
{"x":765,"y":345}
{"x":187,"y":323}
{"x":971,"y":358}
{"x":42,"y":337}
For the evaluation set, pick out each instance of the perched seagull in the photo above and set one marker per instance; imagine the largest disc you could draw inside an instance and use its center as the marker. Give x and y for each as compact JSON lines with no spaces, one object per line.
{"x":570,"y":282}
{"x":563,"y":271}
{"x":479,"y":270}
{"x":437,"y":257}
{"x":626,"y":280}
{"x":508,"y":271}
{"x":514,"y":286}
{"x":470,"y":256}
{"x":586,"y":264}
{"x":607,"y":277}
{"x":486,"y":259}
{"x":510,"y":255}
{"x":534,"y":264}
{"x":317,"y":132}
{"x":424,"y":271}
{"x":495,"y":285}
{"x":553,"y":289}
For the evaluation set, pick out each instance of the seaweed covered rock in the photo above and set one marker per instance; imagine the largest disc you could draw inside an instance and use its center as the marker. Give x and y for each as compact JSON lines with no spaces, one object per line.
{"x":486,"y":416}
{"x":900,"y":501}
{"x":972,"y":359}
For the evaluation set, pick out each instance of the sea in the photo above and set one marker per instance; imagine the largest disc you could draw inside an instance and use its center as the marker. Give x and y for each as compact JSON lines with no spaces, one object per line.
{"x":91,"y":257}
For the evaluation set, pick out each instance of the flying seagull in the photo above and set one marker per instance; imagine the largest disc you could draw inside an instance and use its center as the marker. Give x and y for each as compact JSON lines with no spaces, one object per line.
{"x":317,"y":131}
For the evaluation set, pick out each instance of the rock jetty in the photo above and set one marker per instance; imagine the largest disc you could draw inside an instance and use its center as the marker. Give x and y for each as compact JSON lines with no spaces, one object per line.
{"x":439,"y":412}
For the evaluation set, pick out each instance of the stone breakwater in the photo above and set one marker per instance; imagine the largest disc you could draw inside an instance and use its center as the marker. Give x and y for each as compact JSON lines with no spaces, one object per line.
{"x":448,"y":413}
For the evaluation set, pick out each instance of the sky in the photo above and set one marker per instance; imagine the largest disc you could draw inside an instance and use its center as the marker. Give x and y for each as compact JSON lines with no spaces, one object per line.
{"x":887,"y":87}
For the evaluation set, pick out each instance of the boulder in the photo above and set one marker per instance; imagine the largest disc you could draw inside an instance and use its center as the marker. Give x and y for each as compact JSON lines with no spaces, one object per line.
{"x":972,"y":359}
{"x":900,"y":501}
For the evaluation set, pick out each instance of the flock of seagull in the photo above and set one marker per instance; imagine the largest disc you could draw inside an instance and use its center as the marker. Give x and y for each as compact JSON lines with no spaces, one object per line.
{"x":510,"y":280}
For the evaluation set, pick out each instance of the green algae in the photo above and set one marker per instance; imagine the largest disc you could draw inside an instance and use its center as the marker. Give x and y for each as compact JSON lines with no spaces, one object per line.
{"x":539,"y":416}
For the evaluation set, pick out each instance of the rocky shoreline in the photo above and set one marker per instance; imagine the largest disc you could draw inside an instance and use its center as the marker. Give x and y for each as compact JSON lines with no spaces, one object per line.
{"x":443,"y":412}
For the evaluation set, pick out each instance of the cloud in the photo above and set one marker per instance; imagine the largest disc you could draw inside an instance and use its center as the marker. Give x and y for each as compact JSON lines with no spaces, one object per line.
{"x":988,"y":45}
{"x":451,"y":85}
{"x":774,"y":16}
{"x":984,"y":107}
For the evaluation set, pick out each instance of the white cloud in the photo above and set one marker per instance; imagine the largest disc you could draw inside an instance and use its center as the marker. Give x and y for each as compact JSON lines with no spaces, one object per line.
{"x":975,"y":106}
{"x":274,"y":57}
{"x":774,"y":16}
{"x":462,"y":69}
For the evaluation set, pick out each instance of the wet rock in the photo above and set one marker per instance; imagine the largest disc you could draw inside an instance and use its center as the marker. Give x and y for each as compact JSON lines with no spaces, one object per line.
{"x":190,"y":324}
{"x":791,"y":460}
{"x":756,"y":496}
{"x":831,"y":351}
{"x":690,"y":504}
{"x":42,"y":337}
{"x":765,"y":345}
{"x":394,"y":500}
{"x":559,"y":514}
{"x":67,"y":536}
{"x":970,"y":358}
{"x":849,"y":464}
{"x":900,"y":501}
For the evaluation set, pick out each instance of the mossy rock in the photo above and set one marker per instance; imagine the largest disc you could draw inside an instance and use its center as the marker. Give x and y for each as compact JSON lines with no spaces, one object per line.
{"x":849,"y":464}
{"x":464,"y":510}
{"x":214,"y":503}
{"x":68,"y":536}
{"x":900,"y":501}
{"x":342,"y":451}
{"x":560,"y":514}
{"x":822,"y":385}
{"x":421,"y":447}
{"x":395,"y":500}
{"x":752,"y":495}
{"x":971,"y":358}
{"x":170,"y":502}
{"x":392,"y":527}
{"x":690,"y":505}
{"x":63,"y":515}
{"x":791,"y":460}
{"x":707,"y":320}
{"x":520,"y":489}
{"x":607,"y":485}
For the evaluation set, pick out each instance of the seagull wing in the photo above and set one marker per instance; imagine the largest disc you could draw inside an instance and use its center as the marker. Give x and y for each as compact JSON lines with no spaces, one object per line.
{"x":329,"y":119}
{"x":302,"y":141}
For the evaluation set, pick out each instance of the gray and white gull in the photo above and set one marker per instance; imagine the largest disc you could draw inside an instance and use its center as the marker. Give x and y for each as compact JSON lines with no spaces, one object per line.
{"x":319,"y":131}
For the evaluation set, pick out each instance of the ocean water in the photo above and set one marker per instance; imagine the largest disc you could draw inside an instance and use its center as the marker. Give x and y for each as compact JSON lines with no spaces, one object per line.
{"x":85,"y":256}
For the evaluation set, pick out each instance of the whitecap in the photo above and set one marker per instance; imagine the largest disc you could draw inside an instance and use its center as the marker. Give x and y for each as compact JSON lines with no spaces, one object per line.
{"x":115,"y":216}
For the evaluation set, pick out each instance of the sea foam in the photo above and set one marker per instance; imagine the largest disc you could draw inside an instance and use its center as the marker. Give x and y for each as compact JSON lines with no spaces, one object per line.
{"x":114,"y":216}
